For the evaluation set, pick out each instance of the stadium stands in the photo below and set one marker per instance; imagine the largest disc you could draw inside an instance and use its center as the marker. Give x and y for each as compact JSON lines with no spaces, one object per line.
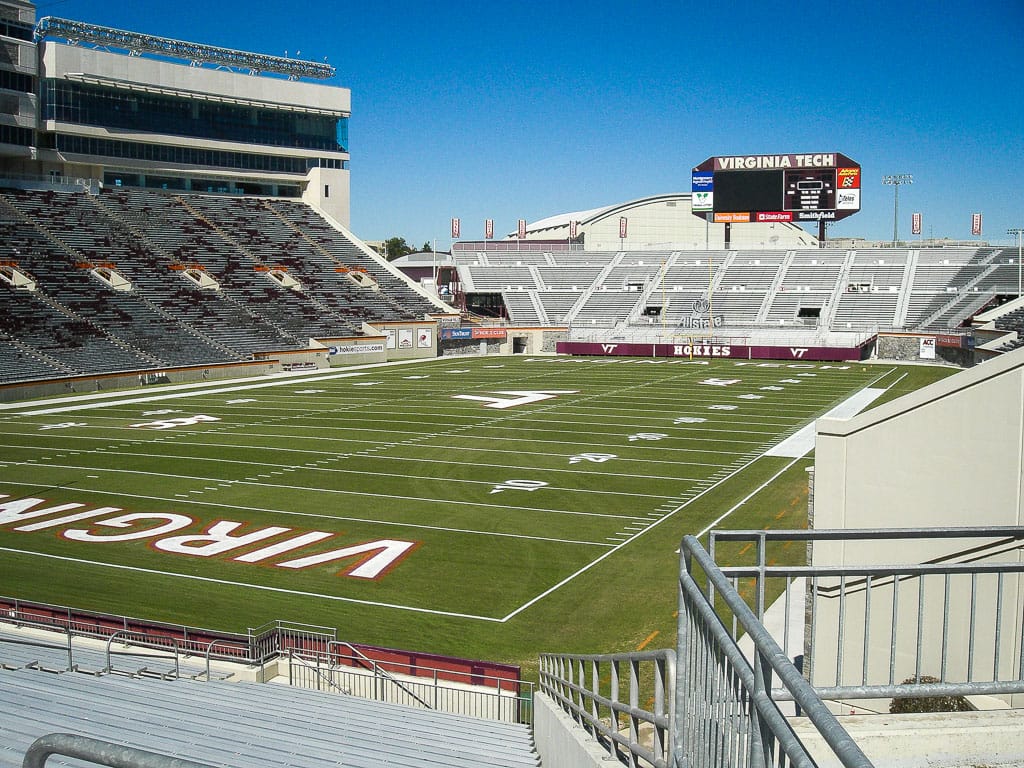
{"x":234,"y":724}
{"x":864,"y":290}
{"x":264,"y":277}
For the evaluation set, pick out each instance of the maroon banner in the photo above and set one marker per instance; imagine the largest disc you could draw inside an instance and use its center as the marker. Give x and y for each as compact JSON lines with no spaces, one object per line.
{"x":623,"y":223}
{"x":975,"y":223}
{"x":915,"y":224}
{"x":456,"y":229}
{"x":488,"y":228}
{"x":521,"y":232}
{"x":712,"y":350}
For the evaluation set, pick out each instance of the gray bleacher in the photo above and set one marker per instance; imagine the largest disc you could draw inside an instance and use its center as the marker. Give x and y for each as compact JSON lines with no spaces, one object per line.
{"x":606,"y":308}
{"x":247,"y":724}
{"x":865,"y":310}
{"x":521,"y":310}
{"x":558,"y":304}
{"x":500,"y":278}
{"x":569,"y":278}
{"x":753,"y":271}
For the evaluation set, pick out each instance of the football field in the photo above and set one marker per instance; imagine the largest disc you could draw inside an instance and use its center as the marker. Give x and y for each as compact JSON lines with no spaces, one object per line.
{"x":486,"y":507}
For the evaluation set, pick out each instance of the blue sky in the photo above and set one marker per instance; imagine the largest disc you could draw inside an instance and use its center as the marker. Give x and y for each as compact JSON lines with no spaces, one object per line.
{"x":526,"y":110}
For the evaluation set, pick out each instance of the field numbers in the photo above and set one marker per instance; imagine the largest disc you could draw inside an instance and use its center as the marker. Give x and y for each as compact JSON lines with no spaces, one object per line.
{"x":647,"y":436}
{"x":521,"y":397}
{"x":183,"y":421}
{"x":519,"y":485}
{"x":597,"y":458}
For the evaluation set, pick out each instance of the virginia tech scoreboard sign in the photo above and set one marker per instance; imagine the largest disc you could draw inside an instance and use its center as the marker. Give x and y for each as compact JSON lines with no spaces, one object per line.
{"x":731,"y":189}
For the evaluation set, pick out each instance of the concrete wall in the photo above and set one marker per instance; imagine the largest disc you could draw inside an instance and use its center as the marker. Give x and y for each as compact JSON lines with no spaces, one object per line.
{"x":926,"y":740}
{"x":10,"y":393}
{"x":948,"y":455}
{"x":561,"y":742}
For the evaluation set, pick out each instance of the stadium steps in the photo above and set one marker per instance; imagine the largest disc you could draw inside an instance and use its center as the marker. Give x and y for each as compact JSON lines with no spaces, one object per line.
{"x":249,"y":724}
{"x":773,"y":288}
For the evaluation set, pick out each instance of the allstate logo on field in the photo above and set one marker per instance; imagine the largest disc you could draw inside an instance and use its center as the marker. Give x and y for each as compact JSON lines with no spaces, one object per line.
{"x":700,"y":315}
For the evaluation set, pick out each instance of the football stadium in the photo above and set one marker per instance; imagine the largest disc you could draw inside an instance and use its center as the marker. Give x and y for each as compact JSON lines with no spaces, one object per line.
{"x":670,"y":482}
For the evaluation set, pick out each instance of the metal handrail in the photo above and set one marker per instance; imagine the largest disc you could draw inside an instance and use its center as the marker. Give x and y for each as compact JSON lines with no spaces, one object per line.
{"x":377,"y":671}
{"x":99,"y":752}
{"x":768,"y":727}
{"x":564,"y":677}
{"x":110,"y":640}
{"x":209,"y":650}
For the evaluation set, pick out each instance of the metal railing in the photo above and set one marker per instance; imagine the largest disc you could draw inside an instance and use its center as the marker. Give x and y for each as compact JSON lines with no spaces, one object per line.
{"x":444,"y":690}
{"x":943,"y":622}
{"x":868,"y":628}
{"x":603,"y":694}
{"x":99,"y":752}
{"x":725,"y":714}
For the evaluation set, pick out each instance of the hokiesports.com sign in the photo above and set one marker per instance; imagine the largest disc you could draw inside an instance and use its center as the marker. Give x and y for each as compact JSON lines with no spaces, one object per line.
{"x":712,"y":350}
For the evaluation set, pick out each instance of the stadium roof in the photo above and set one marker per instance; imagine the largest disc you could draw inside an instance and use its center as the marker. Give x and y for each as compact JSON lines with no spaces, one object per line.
{"x":592,"y":214}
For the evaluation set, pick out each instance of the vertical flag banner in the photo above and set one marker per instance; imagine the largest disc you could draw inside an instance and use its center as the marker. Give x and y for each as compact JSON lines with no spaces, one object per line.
{"x":456,"y":229}
{"x":975,"y":223}
{"x":488,"y":228}
{"x":622,"y":227}
{"x":522,"y":229}
{"x":573,"y":229}
{"x":915,"y":224}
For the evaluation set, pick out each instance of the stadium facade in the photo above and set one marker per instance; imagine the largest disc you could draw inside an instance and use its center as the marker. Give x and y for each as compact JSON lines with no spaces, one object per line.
{"x":85,"y":104}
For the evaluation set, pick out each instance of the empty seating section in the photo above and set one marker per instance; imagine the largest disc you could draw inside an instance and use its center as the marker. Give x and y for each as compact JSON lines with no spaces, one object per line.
{"x":632,"y":273}
{"x":813,"y":273}
{"x":558,"y":305}
{"x":786,"y":306}
{"x":501,"y":278}
{"x":585,"y":258}
{"x":569,"y":278}
{"x":737,"y":306}
{"x":691,"y":274}
{"x":865,"y":310}
{"x":687,"y":304}
{"x":515,"y":259}
{"x":755,"y":271}
{"x":521,"y":309}
{"x":76,"y":323}
{"x":607,"y":308}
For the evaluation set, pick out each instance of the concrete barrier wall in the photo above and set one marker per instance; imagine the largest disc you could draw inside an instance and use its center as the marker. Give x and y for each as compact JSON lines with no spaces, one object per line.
{"x":561,"y":742}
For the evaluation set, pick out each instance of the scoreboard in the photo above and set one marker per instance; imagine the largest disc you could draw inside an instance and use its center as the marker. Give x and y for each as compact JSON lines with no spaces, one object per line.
{"x":810,"y":187}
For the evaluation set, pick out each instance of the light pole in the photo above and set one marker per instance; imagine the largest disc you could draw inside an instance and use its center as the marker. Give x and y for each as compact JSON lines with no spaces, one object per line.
{"x":1018,"y":231}
{"x":894,"y":181}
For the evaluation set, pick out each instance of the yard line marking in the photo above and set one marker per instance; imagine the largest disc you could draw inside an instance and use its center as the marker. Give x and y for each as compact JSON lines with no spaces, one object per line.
{"x":648,"y":639}
{"x":245,"y":585}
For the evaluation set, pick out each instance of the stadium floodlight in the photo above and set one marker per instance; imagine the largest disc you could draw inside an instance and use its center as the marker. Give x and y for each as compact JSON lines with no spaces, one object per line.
{"x":1018,"y":231}
{"x":895,"y":181}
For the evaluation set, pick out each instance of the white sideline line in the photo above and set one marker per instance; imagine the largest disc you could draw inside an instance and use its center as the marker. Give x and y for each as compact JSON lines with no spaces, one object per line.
{"x":682,"y":506}
{"x":800,"y":444}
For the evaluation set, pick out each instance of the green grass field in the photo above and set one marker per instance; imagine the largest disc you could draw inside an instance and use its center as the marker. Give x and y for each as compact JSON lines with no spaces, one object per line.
{"x":399,"y":504}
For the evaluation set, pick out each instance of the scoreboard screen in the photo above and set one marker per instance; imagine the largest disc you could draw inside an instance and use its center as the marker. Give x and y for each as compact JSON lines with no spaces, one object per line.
{"x":808,"y":187}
